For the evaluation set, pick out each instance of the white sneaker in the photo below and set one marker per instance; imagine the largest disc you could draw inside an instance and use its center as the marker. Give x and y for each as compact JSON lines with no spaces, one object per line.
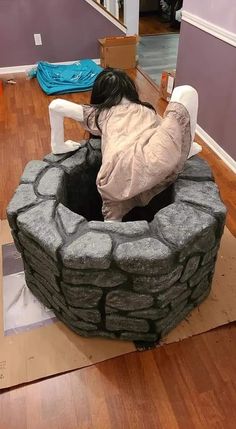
{"x":194,"y":149}
{"x":187,"y":96}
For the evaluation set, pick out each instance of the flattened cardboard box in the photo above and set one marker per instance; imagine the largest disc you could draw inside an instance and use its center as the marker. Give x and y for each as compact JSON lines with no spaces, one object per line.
{"x":48,"y":350}
{"x":54,"y":349}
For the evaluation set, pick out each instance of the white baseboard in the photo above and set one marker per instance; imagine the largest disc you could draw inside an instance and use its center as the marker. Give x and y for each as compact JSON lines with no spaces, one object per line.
{"x":23,"y":69}
{"x":228,"y":160}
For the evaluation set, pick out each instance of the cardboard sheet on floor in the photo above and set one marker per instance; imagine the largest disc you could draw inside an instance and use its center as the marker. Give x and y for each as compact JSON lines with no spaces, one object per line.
{"x":52,"y":348}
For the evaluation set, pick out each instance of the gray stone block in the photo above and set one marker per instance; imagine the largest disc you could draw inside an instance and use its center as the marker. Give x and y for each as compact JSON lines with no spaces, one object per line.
{"x":43,"y":290}
{"x":128,"y":301}
{"x":129,"y":229}
{"x":110,"y":310}
{"x":185,"y":228}
{"x":17,"y":241}
{"x":151,"y":313}
{"x":49,"y":283}
{"x":135,"y":336}
{"x":38,"y":294}
{"x":52,"y":184}
{"x":202,"y":297}
{"x":51,"y":157}
{"x":196,"y":169}
{"x":23,"y":198}
{"x":166,"y":321}
{"x":95,"y":143}
{"x":86,"y":315}
{"x":91,"y":250}
{"x":201,"y":272}
{"x":157,"y":284}
{"x":191,"y":266}
{"x":163,"y":299}
{"x":200,"y":288}
{"x":59,"y":296}
{"x":39,"y":224}
{"x":94,"y":157}
{"x":75,"y":162}
{"x":41,"y":269}
{"x":70,"y":221}
{"x":65,"y":319}
{"x":91,"y":334}
{"x":176,"y":320}
{"x":115,"y":322}
{"x":204,"y":195}
{"x":104,"y":334}
{"x":182,"y":297}
{"x":62,"y":307}
{"x":32,"y":170}
{"x":83,"y":297}
{"x":209,"y":256}
{"x":37,"y":252}
{"x":105,"y":279}
{"x":202,"y":244}
{"x":146,"y":256}
{"x":38,"y":290}
{"x":80,"y":324}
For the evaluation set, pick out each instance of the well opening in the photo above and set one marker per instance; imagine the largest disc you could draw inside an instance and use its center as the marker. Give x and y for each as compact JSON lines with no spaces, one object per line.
{"x":164,"y":199}
{"x":83,"y":198}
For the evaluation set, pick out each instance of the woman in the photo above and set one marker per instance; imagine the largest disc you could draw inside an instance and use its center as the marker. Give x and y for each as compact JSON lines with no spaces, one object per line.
{"x":142,"y":154}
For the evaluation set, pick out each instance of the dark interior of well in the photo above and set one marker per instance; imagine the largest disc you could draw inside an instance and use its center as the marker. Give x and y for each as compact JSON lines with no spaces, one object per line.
{"x":82,"y":196}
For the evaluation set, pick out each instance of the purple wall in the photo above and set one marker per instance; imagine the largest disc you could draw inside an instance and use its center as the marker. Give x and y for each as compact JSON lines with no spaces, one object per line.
{"x":69,"y":29}
{"x":209,"y":65}
{"x":219,"y":12}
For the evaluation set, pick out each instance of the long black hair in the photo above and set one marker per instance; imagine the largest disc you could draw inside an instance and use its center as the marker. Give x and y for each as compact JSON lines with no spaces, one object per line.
{"x":110,"y":86}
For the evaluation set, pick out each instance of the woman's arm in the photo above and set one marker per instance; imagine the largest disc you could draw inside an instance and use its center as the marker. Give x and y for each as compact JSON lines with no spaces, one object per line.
{"x":58,"y":110}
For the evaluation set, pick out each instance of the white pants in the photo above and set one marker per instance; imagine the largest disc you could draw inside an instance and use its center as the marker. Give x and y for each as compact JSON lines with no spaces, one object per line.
{"x":58,"y":110}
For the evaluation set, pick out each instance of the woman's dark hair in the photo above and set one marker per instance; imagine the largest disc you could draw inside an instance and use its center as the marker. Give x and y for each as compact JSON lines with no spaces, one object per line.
{"x":110,"y":86}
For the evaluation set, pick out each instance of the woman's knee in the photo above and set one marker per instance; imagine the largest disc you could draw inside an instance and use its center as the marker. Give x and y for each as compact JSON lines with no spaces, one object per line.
{"x":58,"y":105}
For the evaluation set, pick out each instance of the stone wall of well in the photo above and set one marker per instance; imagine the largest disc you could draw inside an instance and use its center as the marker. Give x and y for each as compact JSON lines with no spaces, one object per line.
{"x":133,"y":280}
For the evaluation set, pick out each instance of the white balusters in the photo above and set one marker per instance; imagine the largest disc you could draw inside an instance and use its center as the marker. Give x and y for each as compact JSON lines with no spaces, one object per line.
{"x":113,"y":7}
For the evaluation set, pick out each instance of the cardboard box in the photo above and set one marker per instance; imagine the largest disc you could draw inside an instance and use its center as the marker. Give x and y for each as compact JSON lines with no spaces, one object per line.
{"x":118,"y":52}
{"x":167,"y":84}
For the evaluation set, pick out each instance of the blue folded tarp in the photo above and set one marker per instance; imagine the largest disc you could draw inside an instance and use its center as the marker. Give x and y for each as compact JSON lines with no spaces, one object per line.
{"x":62,"y":79}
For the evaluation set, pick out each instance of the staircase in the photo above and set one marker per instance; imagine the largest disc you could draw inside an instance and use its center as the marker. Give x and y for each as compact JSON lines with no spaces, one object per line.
{"x":114,"y":7}
{"x":123,"y":13}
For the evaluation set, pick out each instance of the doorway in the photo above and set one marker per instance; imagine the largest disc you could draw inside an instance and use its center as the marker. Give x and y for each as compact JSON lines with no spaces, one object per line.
{"x":159,"y":28}
{"x":159,"y":17}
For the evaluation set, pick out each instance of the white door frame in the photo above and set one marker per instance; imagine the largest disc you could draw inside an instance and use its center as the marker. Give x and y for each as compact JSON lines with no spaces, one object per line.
{"x":131,"y":16}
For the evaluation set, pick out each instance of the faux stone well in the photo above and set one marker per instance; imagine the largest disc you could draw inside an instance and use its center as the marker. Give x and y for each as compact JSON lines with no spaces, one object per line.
{"x":132,"y":280}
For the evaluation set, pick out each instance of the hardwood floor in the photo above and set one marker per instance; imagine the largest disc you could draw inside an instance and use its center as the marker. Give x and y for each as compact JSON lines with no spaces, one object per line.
{"x":150,"y":24}
{"x":187,"y":385}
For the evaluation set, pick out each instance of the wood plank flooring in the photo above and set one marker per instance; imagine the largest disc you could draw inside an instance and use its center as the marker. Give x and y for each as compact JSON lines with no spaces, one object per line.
{"x":150,"y":24}
{"x":158,"y":53}
{"x":187,"y":385}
